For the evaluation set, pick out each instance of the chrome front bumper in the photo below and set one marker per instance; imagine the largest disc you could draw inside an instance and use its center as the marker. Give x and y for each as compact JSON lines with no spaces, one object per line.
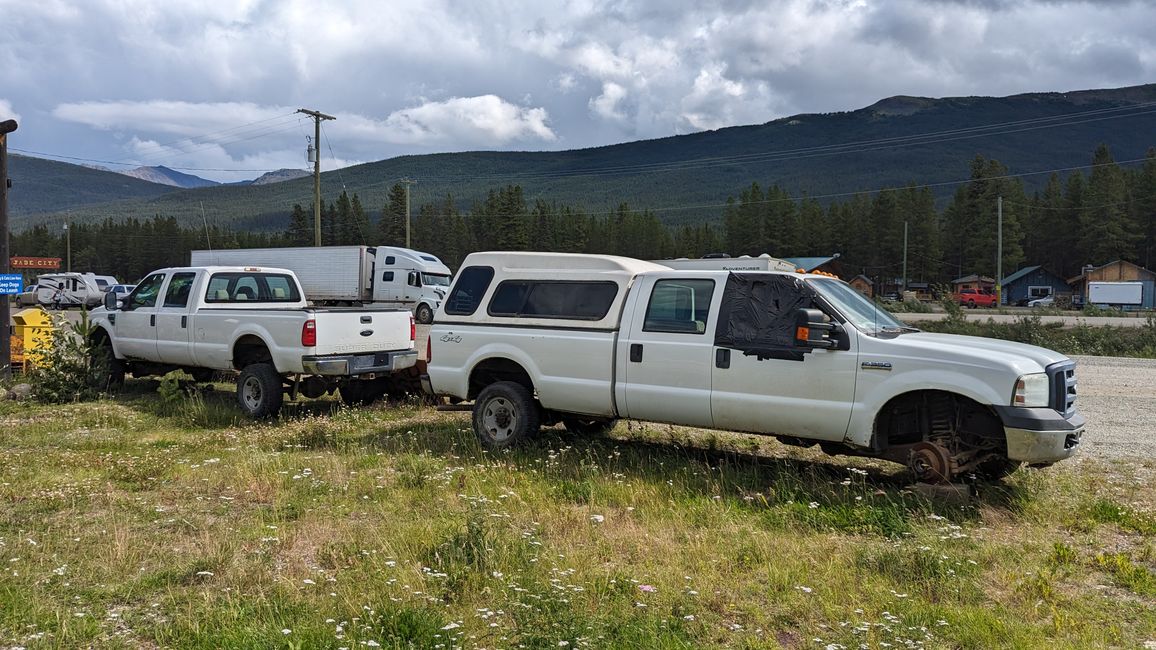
{"x":345,"y":365}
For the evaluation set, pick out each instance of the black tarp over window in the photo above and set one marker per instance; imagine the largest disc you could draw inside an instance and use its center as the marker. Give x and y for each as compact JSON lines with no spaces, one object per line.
{"x":757,"y":314}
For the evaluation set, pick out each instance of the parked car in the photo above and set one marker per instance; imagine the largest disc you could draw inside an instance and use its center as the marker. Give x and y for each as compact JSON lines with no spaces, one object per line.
{"x":121,"y":291}
{"x":540,"y":338}
{"x":27,"y":298}
{"x":975,"y":298}
{"x":255,"y":321}
{"x":1046,"y":301}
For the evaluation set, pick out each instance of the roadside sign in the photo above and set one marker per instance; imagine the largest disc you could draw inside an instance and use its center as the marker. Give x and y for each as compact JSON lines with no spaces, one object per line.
{"x":25,"y":262}
{"x":11,"y":283}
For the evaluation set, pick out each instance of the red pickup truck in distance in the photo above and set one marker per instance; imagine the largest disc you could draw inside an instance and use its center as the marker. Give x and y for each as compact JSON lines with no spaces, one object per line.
{"x":975,"y":298}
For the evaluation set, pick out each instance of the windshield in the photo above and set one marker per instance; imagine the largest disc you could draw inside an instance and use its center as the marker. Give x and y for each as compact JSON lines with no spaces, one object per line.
{"x":864,"y":314}
{"x":431,"y":279}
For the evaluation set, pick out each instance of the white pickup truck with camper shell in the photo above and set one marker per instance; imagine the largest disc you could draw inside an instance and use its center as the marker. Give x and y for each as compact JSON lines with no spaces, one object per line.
{"x":388,"y":276}
{"x":539,"y":338}
{"x":255,"y":321}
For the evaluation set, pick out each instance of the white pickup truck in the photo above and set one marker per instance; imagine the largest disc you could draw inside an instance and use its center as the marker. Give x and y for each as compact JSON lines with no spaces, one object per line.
{"x":538,"y":338}
{"x":256,"y":321}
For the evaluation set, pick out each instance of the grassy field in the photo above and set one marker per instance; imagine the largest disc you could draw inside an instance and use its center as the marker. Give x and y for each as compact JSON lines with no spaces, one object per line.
{"x":144,"y":522}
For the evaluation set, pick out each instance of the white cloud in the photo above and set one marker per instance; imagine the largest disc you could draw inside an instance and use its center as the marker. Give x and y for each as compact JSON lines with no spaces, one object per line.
{"x":7,"y":112}
{"x":606,"y":105}
{"x":487,"y":120}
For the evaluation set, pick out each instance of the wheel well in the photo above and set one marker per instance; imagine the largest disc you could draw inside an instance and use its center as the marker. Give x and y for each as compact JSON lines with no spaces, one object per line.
{"x":250,"y":349}
{"x":497,"y":369}
{"x":98,"y":336}
{"x":921,"y":415}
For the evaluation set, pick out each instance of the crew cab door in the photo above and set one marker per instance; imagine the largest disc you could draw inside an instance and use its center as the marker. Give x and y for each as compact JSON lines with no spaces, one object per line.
{"x":174,"y":341}
{"x":761,"y":381}
{"x":664,"y":356}
{"x":136,"y":321}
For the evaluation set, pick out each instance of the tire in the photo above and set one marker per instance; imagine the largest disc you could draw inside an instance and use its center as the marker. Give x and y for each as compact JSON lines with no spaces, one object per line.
{"x":112,"y":369}
{"x":259,"y":391}
{"x":201,"y":375}
{"x":424,"y":314}
{"x":971,"y":304}
{"x":588,"y":426}
{"x":505,"y":414}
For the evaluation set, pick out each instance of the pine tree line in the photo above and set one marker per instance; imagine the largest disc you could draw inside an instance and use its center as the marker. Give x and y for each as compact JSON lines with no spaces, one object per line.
{"x":1092,"y":218}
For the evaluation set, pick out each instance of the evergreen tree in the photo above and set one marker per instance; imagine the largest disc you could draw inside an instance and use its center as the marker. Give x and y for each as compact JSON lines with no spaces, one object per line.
{"x":1106,"y":227}
{"x":391,"y":228}
{"x":300,"y":232}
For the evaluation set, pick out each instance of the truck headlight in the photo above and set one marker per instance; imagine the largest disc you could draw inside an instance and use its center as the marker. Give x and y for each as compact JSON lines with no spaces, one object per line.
{"x":1031,"y":390}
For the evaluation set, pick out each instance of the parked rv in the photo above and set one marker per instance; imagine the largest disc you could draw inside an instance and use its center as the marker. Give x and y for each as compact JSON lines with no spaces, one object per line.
{"x":64,"y":290}
{"x":385,"y":276}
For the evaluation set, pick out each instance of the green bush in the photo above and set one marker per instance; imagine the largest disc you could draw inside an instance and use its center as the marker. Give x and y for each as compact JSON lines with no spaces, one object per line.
{"x":69,"y":370}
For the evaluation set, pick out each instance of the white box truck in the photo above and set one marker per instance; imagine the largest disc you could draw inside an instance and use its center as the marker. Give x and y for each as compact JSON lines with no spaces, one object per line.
{"x":1116,"y":293}
{"x":386,"y":276}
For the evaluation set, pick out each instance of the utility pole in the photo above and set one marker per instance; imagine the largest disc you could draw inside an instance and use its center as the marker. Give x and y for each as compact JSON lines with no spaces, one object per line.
{"x":999,"y":252}
{"x":904,"y":260}
{"x":67,"y":247}
{"x":407,"y":182}
{"x":317,"y":117}
{"x":6,"y":127}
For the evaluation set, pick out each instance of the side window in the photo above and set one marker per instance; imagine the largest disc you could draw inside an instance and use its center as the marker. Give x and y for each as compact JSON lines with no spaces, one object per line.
{"x":468,"y":290}
{"x":387,"y":276}
{"x":389,"y":259}
{"x":679,"y":306}
{"x":544,"y":299}
{"x":177,"y":295}
{"x":758,"y":312}
{"x":146,"y":292}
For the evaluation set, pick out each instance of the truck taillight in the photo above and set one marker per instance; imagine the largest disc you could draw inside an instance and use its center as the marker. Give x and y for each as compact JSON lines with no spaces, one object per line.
{"x":428,"y":349}
{"x":412,"y":330}
{"x":309,"y":333}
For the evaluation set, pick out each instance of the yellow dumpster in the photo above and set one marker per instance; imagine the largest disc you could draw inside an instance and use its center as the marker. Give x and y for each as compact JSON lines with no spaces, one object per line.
{"x":31,"y":336}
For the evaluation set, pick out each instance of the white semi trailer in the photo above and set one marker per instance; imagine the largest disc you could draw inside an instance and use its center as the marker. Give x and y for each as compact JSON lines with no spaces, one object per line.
{"x":358,"y":275}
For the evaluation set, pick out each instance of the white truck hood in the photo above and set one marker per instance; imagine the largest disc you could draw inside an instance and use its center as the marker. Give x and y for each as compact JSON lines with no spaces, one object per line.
{"x":974,"y":351}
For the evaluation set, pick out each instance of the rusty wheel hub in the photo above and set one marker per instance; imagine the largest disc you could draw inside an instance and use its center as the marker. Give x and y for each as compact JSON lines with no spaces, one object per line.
{"x":930,"y":463}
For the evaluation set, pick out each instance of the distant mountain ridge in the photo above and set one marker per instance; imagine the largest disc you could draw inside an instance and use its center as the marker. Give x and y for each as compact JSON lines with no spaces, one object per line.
{"x":164,"y":176}
{"x":688,"y":178}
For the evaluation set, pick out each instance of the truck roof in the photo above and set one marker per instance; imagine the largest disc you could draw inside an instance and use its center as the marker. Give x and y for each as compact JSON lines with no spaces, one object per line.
{"x":225,"y":269}
{"x":561,"y":262}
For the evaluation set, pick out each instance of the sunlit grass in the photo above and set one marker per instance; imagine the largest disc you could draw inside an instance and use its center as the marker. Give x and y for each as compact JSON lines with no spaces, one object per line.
{"x":124,"y":524}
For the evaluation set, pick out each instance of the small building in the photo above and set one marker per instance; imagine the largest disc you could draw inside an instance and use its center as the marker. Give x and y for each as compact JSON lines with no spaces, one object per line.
{"x":1118,"y":271}
{"x":1032,"y":282}
{"x":973,"y":281}
{"x":922,"y":290}
{"x":863,"y":285}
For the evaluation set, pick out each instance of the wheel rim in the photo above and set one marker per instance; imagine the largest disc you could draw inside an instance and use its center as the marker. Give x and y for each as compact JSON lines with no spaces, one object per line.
{"x":251,"y":393}
{"x":499,"y":419}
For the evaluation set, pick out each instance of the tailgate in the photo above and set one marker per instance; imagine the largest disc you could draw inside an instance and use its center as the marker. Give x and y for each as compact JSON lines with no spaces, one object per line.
{"x":345,"y":332}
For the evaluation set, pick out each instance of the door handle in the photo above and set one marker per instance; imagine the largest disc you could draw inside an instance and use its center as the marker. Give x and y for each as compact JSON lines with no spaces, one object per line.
{"x":722,"y":358}
{"x":153,"y":320}
{"x":636,"y":352}
{"x":184,"y":322}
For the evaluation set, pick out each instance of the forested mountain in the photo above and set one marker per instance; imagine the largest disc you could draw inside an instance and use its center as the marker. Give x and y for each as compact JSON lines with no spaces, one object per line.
{"x":1094,"y":218}
{"x":42,"y":186}
{"x":687,"y":179}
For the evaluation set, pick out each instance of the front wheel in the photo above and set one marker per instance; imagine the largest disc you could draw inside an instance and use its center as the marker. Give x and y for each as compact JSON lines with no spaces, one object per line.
{"x":971,"y":304}
{"x":259,"y":391}
{"x":110,"y":371}
{"x":505,"y":414}
{"x":424,"y":314}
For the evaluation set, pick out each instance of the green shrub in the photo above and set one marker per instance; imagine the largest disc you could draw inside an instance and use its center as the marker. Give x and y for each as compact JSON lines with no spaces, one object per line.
{"x":69,"y":370}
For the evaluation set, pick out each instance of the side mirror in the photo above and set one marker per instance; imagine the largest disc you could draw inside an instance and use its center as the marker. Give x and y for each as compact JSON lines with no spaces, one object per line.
{"x":110,"y":301}
{"x":814,"y":330}
{"x":414,"y":279}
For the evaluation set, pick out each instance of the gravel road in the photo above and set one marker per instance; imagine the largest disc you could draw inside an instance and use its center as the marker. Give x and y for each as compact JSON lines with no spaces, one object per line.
{"x":1118,"y":397}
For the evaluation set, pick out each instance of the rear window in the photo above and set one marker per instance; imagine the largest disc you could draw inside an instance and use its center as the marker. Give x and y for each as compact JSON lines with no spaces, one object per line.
{"x":549,"y":299}
{"x":251,"y":287}
{"x":468,"y":290}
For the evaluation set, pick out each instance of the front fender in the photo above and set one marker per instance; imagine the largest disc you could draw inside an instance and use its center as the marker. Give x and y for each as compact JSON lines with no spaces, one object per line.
{"x":873,"y":393}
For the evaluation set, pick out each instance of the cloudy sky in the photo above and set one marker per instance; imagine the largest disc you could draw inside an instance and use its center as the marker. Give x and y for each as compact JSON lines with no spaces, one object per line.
{"x":211,"y":87}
